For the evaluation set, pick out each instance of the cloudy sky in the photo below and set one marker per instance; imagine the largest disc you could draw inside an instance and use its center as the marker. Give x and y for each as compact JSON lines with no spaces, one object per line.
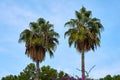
{"x":15,"y":16}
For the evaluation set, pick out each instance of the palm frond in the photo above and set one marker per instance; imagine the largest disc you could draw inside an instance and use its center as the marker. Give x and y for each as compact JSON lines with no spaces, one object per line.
{"x":78,"y":15}
{"x":33,"y":26}
{"x":88,"y":14}
{"x":71,"y":23}
{"x":41,"y":21}
{"x":50,"y":53}
{"x":83,"y":9}
{"x":25,"y":36}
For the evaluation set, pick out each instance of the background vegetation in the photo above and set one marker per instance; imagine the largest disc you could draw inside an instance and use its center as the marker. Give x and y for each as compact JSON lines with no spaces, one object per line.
{"x":48,"y":73}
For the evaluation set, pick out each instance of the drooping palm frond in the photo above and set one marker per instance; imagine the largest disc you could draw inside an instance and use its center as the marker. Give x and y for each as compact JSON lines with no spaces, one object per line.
{"x":71,"y":23}
{"x":25,"y":36}
{"x":33,"y":26}
{"x":41,"y":21}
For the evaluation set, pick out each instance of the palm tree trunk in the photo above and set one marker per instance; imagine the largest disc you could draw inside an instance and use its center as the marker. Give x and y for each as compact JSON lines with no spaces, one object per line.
{"x":37,"y":70}
{"x":83,"y":65}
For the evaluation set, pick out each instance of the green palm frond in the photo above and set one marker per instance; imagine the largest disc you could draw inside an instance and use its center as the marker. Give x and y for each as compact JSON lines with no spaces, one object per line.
{"x":70,"y":41}
{"x":50,"y":53}
{"x":84,"y":31}
{"x":25,"y":36}
{"x":78,"y":15}
{"x":33,"y":26}
{"x":83,"y":9}
{"x":53,"y":33}
{"x":55,"y":40}
{"x":41,"y":21}
{"x":88,"y":14}
{"x":71,"y":23}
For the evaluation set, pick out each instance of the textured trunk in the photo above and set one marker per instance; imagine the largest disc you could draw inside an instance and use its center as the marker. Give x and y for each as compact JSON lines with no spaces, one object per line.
{"x":37,"y":70}
{"x":83,"y":65}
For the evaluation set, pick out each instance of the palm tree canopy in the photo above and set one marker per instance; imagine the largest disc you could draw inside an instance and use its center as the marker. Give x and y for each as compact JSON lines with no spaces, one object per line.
{"x":39,"y":39}
{"x":84,"y":31}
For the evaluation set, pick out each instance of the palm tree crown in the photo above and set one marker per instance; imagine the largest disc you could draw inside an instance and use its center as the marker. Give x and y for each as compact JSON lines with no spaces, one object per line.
{"x":84,"y":31}
{"x":39,"y":39}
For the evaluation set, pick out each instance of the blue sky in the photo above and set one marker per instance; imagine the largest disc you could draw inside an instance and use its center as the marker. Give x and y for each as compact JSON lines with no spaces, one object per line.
{"x":15,"y":16}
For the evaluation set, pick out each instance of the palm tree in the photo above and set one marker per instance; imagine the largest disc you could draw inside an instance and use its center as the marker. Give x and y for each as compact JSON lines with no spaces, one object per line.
{"x":84,"y":33}
{"x":39,"y":39}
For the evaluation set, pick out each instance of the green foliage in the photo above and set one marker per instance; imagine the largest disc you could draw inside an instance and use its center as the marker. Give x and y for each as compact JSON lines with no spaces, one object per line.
{"x":109,"y":77}
{"x":28,"y":73}
{"x":46,"y":73}
{"x":116,"y":77}
{"x":10,"y":77}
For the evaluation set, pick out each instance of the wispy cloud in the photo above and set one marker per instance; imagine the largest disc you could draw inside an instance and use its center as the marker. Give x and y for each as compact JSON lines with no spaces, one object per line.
{"x":15,"y":15}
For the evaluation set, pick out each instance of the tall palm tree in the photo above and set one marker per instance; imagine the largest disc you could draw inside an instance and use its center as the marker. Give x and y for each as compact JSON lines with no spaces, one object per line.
{"x":84,"y":33}
{"x":39,"y":39}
